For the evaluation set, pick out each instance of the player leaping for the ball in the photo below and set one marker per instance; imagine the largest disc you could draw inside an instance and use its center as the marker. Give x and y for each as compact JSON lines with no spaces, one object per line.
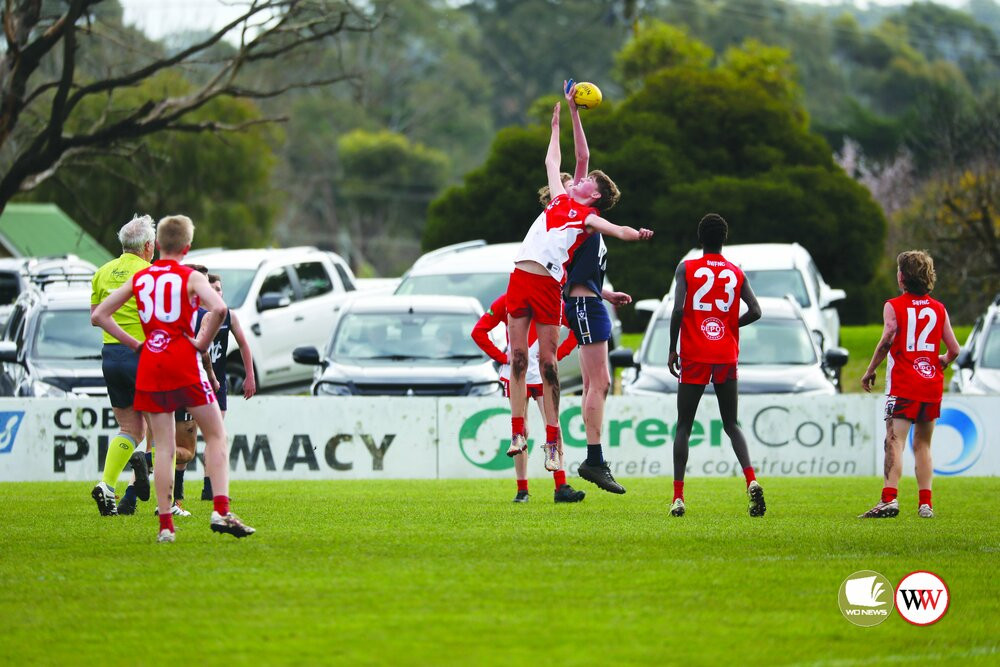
{"x":706,"y":316}
{"x":170,"y":375}
{"x":496,"y":315}
{"x":534,"y":293}
{"x":915,"y":325}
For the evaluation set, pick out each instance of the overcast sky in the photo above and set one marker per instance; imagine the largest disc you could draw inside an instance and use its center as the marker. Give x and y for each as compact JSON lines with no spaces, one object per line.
{"x":162,"y":17}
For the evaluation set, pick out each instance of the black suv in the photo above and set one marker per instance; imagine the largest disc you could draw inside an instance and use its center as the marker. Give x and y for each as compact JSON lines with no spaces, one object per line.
{"x":48,"y":347}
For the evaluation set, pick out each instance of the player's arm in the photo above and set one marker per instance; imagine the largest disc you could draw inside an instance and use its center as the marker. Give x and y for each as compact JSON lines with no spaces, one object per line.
{"x":212,"y":303}
{"x":567,"y":346}
{"x":889,"y":330}
{"x":206,"y":363}
{"x":102,"y":315}
{"x":481,"y":336}
{"x":616,"y":298}
{"x":596,"y":223}
{"x":680,"y":294}
{"x":750,"y":299}
{"x":553,"y":158}
{"x":579,"y":138}
{"x":249,"y":380}
{"x":950,"y":342}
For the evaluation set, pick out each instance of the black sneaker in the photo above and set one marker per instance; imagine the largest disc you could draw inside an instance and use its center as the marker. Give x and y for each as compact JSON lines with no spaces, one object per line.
{"x":601,"y":476}
{"x":127,"y":505}
{"x":206,"y":490}
{"x":521,"y":497}
{"x":141,"y":484}
{"x":567,"y":494}
{"x":756,"y":495}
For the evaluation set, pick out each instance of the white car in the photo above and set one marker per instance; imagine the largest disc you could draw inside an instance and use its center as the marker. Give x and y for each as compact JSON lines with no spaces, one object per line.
{"x":780,"y":269}
{"x":977,"y":368}
{"x":284,"y":298}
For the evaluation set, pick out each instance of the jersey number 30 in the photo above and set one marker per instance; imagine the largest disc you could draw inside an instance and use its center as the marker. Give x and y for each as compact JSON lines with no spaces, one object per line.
{"x":709,"y":276}
{"x":160,"y":296}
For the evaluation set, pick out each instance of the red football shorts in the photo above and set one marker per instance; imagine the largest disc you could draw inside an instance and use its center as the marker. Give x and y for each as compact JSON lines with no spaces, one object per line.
{"x":697,"y":372}
{"x":535,"y":296}
{"x":534,"y":390}
{"x":915,"y":411}
{"x":190,"y":396}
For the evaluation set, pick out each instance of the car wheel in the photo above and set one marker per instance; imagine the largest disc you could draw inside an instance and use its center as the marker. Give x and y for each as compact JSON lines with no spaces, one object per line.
{"x":235,"y":376}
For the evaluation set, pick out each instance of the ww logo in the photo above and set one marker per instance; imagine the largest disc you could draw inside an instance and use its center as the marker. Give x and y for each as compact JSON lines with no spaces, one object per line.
{"x":922,"y":598}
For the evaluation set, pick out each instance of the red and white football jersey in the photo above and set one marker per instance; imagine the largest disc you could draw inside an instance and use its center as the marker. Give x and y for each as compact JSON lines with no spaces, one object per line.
{"x":555,"y":235}
{"x":710,"y":331}
{"x":913,"y":369}
{"x":168,"y":359}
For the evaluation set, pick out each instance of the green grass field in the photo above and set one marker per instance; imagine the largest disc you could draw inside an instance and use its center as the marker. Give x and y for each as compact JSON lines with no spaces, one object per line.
{"x":860,"y":341}
{"x":451,"y":572}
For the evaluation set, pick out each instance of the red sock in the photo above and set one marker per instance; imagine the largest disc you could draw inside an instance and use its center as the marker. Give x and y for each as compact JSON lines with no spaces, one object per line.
{"x":517,"y":426}
{"x":748,"y":473}
{"x":678,"y":490}
{"x":522,"y":485}
{"x":925,"y":497}
{"x":560,"y":477}
{"x":889,"y":494}
{"x":167,"y":522}
{"x":221,"y":504}
{"x":551,"y":433}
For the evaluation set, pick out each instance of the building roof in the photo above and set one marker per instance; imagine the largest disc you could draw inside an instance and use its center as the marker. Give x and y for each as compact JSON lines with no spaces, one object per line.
{"x":37,"y":230}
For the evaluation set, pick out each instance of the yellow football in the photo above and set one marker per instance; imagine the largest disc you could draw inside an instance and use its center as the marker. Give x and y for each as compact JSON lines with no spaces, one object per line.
{"x":588,"y":96}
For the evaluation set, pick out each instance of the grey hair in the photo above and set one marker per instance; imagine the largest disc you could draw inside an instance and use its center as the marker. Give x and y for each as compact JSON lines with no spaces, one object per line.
{"x":136,"y":233}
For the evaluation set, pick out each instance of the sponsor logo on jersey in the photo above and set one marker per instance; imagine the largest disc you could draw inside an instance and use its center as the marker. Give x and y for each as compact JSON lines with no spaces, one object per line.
{"x":864,"y":598}
{"x":713,"y":328}
{"x":922,"y":598}
{"x":158,"y":341}
{"x":925,"y":368}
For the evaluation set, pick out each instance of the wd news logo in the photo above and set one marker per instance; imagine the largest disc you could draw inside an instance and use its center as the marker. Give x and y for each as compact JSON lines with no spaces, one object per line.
{"x":865,"y":599}
{"x":959,"y":440}
{"x":10,"y":422}
{"x":922,"y":598}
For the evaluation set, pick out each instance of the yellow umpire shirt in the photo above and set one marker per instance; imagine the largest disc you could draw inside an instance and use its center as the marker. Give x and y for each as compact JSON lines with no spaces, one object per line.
{"x":110,"y":277}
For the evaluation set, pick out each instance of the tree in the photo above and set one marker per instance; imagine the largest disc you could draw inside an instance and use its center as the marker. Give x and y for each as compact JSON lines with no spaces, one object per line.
{"x":43,"y":86}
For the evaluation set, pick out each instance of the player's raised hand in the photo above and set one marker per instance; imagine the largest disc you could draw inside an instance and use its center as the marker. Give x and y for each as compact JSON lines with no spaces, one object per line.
{"x":645,"y":234}
{"x":674,"y":364}
{"x":868,"y":381}
{"x":569,"y":90}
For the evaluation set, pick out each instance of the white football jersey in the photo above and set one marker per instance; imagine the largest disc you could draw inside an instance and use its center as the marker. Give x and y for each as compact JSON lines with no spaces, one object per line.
{"x":555,"y":235}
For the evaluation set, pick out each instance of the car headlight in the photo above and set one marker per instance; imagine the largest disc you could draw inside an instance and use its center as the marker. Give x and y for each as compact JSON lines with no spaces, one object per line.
{"x":41,"y":389}
{"x":332,"y":389}
{"x":484,"y":389}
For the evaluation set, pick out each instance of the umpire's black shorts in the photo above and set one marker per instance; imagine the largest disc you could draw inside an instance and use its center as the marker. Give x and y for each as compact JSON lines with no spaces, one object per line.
{"x":119,"y":365}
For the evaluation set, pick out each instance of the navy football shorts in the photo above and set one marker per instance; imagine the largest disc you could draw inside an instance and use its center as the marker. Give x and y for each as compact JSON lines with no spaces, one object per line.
{"x":119,"y":365}
{"x":588,"y":319}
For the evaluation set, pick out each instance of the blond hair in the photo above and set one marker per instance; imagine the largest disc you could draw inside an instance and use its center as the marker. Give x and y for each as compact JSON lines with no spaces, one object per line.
{"x":173,"y":233}
{"x":544,"y":196}
{"x":917,"y":269}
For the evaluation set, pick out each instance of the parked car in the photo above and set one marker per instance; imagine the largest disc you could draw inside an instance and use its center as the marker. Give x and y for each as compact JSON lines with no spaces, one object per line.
{"x":284,"y":298}
{"x":482,"y":271}
{"x":403,"y":346}
{"x":977,"y":368}
{"x":777,"y":355}
{"x":49,"y":348}
{"x":779,"y":269}
{"x":16,"y":273}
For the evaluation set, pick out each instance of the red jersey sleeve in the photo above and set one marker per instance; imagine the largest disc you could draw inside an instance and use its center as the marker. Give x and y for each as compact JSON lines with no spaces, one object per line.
{"x":496,"y":314}
{"x":567,"y":346}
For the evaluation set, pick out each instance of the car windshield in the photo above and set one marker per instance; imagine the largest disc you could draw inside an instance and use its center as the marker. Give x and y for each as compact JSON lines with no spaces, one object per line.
{"x":779,"y":283}
{"x":66,"y":334}
{"x":991,"y":348}
{"x":405,"y":336}
{"x":766,"y":341}
{"x":235,"y":284}
{"x":484,"y":286}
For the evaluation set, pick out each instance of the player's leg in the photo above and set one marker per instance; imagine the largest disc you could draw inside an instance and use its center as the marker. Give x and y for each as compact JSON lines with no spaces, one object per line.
{"x":163,"y":470}
{"x":688,"y":397}
{"x":564,"y":493}
{"x":206,"y":483}
{"x":896,"y":430}
{"x":209,"y":420}
{"x":924,"y":468}
{"x":517,"y":333}
{"x":520,"y":462}
{"x":548,"y":341}
{"x":187,"y":441}
{"x":727,"y":394}
{"x":597,"y":384}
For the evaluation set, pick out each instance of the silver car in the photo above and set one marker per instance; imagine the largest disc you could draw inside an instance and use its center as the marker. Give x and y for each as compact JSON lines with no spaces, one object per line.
{"x":977,"y":368}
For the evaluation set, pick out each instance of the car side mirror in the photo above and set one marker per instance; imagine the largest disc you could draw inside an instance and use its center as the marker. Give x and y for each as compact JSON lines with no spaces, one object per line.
{"x":621,"y":358}
{"x":271,"y":300}
{"x":964,"y":359}
{"x":833,"y":295}
{"x":8,"y":351}
{"x":836,"y":357}
{"x":307,"y":355}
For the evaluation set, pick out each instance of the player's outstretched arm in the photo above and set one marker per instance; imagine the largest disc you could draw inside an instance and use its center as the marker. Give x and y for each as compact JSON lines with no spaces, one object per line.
{"x":950,"y":342}
{"x":579,"y":138}
{"x":680,"y":295}
{"x":249,"y":380}
{"x":616,"y":299}
{"x":481,"y":336}
{"x":553,"y":158}
{"x":102,"y":315}
{"x":750,"y":299}
{"x":213,"y":303}
{"x":596,"y":223}
{"x":882,"y":349}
